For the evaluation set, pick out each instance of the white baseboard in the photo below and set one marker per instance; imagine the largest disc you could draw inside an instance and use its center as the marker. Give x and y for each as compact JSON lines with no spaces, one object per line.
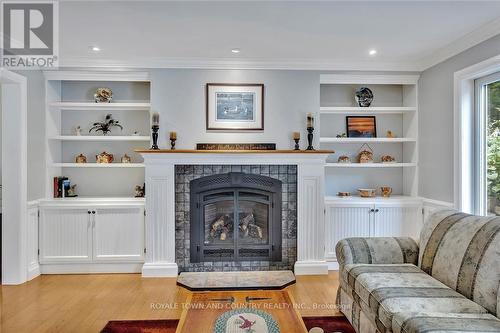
{"x":160,"y":270}
{"x":33,"y":272}
{"x":333,"y":265}
{"x":88,"y":268}
{"x":311,"y":268}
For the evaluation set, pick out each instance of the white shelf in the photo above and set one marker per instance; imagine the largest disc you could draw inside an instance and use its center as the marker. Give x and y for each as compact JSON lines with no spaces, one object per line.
{"x":370,"y":165}
{"x":368,"y":110}
{"x":376,"y":199}
{"x":100,"y":138}
{"x":365,"y":140}
{"x":89,"y":106}
{"x":98,"y":165}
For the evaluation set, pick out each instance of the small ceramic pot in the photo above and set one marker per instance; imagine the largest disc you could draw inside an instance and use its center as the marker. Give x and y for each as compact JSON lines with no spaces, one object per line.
{"x":104,"y":158}
{"x":81,"y":159}
{"x":125,"y":159}
{"x":386,"y":191}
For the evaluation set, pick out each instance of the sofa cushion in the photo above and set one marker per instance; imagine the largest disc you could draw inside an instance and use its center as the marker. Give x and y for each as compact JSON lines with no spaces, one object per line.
{"x":419,"y":322}
{"x":389,"y":289}
{"x":463,"y":252}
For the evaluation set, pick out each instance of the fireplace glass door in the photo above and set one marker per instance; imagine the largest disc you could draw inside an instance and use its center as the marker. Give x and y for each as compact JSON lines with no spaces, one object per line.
{"x":236,"y":224}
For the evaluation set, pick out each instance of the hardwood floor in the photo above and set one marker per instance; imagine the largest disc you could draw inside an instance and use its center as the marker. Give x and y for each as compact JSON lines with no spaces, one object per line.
{"x":85,"y":303}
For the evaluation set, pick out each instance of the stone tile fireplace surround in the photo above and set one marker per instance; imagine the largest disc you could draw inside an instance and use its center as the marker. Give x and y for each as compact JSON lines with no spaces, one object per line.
{"x":184,"y":174}
{"x":167,"y":248}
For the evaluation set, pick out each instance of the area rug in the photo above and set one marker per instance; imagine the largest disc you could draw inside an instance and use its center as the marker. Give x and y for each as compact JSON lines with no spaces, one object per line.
{"x":332,"y":324}
{"x":314,"y":325}
{"x":141,"y":326}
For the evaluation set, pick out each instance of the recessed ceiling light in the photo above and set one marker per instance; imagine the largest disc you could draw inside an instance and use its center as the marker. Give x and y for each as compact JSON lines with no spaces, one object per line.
{"x":236,"y":50}
{"x":95,"y":48}
{"x":372,"y":52}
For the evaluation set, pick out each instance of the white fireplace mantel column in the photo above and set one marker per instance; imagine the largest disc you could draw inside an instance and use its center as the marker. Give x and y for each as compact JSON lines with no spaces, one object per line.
{"x":160,"y":203}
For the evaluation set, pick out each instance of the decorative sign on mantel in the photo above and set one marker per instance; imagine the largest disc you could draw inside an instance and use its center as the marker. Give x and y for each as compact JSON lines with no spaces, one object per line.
{"x":236,"y":146}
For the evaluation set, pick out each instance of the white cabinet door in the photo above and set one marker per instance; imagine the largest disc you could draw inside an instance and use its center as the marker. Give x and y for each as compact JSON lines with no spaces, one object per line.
{"x":118,"y":234}
{"x":395,"y":221}
{"x":343,"y":222}
{"x":65,"y":235}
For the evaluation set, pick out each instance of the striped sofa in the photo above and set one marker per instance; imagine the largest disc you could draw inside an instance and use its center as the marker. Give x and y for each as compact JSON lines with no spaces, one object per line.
{"x":450,"y":283}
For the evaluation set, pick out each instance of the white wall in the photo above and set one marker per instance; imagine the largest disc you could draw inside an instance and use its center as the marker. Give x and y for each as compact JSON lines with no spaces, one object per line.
{"x":436,"y":120}
{"x":179,"y":97}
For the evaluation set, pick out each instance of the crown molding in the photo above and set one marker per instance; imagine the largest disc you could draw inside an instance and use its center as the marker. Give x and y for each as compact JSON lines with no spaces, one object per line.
{"x":471,"y":39}
{"x":231,"y":63}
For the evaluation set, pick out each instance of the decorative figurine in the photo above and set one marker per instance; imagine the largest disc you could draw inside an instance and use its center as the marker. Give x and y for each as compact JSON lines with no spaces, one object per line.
{"x":365,"y":155}
{"x":103,"y":95}
{"x":310,"y":130}
{"x":155,"y":126}
{"x":343,"y":135}
{"x":387,"y":159}
{"x":81,"y":159}
{"x":78,"y":130}
{"x":105,"y":126}
{"x":173,"y":137}
{"x":364,"y":97}
{"x":140,"y":191}
{"x":390,"y":134}
{"x":344,"y":159}
{"x":386,"y":191}
{"x":125,"y":159}
{"x":72,"y":191}
{"x":296,"y":138}
{"x":104,"y":158}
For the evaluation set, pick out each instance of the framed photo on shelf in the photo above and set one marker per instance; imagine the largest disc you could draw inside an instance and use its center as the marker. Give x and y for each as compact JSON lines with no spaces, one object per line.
{"x":361,"y":127}
{"x":235,"y":107}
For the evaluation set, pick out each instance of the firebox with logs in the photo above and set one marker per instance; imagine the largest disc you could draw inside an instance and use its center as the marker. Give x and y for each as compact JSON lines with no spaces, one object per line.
{"x":253,"y":201}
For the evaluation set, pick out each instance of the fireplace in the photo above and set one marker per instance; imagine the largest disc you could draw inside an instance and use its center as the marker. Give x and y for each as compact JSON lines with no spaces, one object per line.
{"x":235,"y":216}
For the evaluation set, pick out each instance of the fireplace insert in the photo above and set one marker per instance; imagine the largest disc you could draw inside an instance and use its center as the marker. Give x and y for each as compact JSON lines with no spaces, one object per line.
{"x":235,"y":217}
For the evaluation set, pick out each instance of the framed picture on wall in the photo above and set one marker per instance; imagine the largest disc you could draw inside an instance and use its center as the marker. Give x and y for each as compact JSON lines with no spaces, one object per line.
{"x":235,"y":107}
{"x":361,"y":127}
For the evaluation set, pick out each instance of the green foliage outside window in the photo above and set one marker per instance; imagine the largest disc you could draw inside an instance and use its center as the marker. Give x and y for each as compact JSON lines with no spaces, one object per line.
{"x":493,"y":141}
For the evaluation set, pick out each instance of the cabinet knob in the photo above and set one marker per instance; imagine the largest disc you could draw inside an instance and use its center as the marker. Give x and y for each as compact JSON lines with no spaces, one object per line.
{"x":376,"y":210}
{"x":93,"y":212}
{"x":372,"y":210}
{"x":88,"y":212}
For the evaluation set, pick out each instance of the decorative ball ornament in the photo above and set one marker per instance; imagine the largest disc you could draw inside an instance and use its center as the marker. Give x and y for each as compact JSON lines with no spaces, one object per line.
{"x":364,"y":97}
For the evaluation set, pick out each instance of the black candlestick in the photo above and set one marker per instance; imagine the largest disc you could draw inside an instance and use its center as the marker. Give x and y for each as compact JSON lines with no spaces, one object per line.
{"x":310,"y":136}
{"x":297,"y":147}
{"x":155,"y":129}
{"x":172,"y":144}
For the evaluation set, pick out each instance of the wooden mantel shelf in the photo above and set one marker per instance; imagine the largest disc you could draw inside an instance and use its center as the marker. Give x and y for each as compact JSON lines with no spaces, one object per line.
{"x":195,"y":151}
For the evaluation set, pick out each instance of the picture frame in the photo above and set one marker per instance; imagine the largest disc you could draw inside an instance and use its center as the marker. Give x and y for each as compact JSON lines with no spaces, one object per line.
{"x":361,"y":126}
{"x":235,"y":107}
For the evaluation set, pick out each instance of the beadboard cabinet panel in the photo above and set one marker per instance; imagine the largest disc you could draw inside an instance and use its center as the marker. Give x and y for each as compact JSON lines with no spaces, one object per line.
{"x":65,"y":235}
{"x":343,"y":222}
{"x":119,"y":234}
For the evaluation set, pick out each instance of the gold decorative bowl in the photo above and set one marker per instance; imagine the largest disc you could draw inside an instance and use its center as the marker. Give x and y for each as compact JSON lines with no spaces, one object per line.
{"x":366,"y":192}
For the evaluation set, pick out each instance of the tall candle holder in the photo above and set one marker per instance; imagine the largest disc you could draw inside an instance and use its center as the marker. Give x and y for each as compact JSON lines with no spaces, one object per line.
{"x":310,"y":137}
{"x":310,"y":130}
{"x":155,"y":129}
{"x":155,"y":126}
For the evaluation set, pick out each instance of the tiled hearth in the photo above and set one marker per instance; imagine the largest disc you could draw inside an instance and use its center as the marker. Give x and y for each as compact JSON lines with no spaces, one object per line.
{"x":287,"y":174}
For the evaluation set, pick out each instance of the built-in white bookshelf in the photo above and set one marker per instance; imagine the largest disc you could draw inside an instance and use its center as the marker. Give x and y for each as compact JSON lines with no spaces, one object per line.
{"x":395,"y":109}
{"x":70,"y":103}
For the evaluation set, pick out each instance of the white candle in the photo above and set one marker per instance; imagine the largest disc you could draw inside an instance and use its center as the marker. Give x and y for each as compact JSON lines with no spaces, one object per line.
{"x":155,"y":121}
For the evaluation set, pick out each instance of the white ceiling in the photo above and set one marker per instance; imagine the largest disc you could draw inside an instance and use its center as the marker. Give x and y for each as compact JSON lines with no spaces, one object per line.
{"x":408,"y":35}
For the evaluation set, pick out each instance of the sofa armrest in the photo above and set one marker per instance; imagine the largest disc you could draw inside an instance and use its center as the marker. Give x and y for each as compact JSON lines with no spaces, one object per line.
{"x":377,"y":250}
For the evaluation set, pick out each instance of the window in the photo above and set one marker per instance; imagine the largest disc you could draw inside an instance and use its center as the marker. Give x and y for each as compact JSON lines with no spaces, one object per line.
{"x":486,"y":167}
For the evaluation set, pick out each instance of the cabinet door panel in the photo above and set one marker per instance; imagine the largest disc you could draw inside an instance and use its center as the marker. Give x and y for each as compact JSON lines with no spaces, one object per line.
{"x":119,"y":234}
{"x":395,"y":221}
{"x":65,"y":235}
{"x":343,"y":222}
